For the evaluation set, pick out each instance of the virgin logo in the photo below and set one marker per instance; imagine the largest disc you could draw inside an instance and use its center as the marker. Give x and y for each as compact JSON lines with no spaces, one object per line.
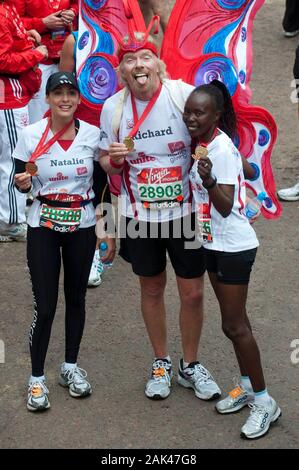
{"x":82,"y":170}
{"x":130,"y":123}
{"x":160,"y":175}
{"x":176,"y":146}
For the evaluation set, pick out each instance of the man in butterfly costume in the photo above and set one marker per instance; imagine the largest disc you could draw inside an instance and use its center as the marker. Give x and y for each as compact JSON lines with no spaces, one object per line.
{"x":196,"y":50}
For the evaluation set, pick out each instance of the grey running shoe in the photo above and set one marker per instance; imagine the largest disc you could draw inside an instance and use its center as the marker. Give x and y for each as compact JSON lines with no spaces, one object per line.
{"x":196,"y":376}
{"x":14,"y":232}
{"x":158,"y":386}
{"x":289,"y":194}
{"x":38,"y":397}
{"x":291,"y":34}
{"x":75,"y":380}
{"x":235,"y":401}
{"x":260,"y":419}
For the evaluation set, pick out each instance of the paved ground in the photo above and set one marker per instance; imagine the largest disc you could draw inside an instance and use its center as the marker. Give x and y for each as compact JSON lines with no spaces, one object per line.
{"x":115,"y":349}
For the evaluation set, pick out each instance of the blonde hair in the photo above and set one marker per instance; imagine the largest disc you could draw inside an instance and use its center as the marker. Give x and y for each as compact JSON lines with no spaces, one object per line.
{"x":139,"y":36}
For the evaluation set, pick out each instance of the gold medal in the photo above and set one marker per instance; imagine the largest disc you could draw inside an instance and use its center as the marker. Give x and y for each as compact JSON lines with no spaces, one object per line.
{"x":31,"y":168}
{"x":200,"y":151}
{"x":129,"y":143}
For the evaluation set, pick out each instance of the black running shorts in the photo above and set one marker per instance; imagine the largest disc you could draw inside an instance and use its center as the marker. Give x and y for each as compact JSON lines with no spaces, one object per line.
{"x":144,"y":245}
{"x":231,"y":268}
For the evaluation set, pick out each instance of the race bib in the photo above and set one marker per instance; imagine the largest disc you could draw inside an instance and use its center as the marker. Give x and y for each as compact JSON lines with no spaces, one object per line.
{"x":60,"y":219}
{"x":160,"y":188}
{"x":204,"y":223}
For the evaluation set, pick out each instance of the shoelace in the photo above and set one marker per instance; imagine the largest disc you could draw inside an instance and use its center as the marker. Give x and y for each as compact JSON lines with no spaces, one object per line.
{"x":76,"y":375}
{"x":256,"y":413}
{"x":160,"y":370}
{"x":36,"y":386}
{"x":235,"y":392}
{"x":201,"y":374}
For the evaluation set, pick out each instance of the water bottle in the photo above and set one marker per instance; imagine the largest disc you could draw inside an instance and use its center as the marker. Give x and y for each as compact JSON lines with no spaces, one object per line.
{"x":254,"y":205}
{"x":103,"y":251}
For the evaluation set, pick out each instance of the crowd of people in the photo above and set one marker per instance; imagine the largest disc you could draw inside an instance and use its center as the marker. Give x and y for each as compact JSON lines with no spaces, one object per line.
{"x":189,"y":207}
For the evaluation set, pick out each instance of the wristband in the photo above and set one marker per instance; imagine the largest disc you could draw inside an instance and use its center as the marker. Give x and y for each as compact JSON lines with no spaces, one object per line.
{"x":116,"y":165}
{"x":212,"y":184}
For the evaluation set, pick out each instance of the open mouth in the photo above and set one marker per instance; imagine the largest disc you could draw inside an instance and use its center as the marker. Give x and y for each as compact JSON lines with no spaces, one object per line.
{"x":192,"y":128}
{"x":65,"y":108}
{"x":141,"y":78}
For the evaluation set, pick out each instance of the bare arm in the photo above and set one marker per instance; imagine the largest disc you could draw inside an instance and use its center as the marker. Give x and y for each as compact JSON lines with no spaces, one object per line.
{"x":249,"y":171}
{"x":67,"y":60}
{"x":222,"y":198}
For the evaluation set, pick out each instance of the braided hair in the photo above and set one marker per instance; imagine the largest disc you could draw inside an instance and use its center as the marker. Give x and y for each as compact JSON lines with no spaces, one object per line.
{"x":223,"y":102}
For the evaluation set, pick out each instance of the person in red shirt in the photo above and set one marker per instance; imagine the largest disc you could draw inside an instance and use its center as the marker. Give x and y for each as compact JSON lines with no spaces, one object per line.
{"x":54,"y":20}
{"x":19,"y":80}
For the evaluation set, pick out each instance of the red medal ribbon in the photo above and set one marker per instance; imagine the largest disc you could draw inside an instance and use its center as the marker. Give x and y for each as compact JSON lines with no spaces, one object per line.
{"x":205,"y":144}
{"x":41,"y":147}
{"x":149,"y":107}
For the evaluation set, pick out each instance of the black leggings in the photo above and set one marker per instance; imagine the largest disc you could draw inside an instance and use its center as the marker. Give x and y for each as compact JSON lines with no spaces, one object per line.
{"x":44,"y":250}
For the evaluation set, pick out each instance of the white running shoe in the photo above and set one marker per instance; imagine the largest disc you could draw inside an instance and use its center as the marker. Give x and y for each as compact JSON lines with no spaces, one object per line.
{"x":13,"y":232}
{"x":158,"y":386}
{"x":260,"y":419}
{"x":291,"y":34}
{"x":75,"y":380}
{"x":38,"y":396}
{"x":235,"y":401}
{"x":196,"y":376}
{"x":96,"y":270}
{"x":289,"y":194}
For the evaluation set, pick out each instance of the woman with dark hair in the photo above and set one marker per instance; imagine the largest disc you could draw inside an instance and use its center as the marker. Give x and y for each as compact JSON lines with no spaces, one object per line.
{"x":230,"y":243}
{"x":54,"y":159}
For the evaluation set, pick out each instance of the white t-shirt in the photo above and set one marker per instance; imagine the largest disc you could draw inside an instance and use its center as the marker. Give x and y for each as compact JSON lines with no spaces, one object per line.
{"x":233,"y":233}
{"x":156,"y":173}
{"x":61,"y":171}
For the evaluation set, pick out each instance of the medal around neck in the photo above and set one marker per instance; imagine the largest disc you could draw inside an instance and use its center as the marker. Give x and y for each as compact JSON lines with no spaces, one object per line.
{"x":200,"y":152}
{"x":129,"y":143}
{"x":31,"y":168}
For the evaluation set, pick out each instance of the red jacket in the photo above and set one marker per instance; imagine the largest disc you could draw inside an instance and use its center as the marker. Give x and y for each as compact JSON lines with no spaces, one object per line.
{"x":18,"y":80}
{"x":33,"y":11}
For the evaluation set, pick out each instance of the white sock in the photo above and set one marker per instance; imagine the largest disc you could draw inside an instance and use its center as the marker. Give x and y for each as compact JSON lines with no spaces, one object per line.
{"x":165,"y":357}
{"x":246,"y":384}
{"x":69,"y":365}
{"x":262,"y":398}
{"x":33,"y":379}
